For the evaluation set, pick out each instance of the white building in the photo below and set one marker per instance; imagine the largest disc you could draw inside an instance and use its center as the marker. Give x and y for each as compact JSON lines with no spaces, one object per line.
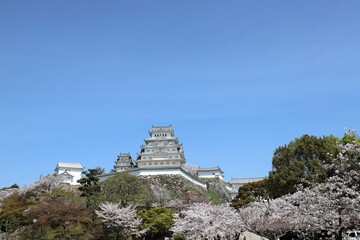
{"x":210,"y":172}
{"x":69,"y":173}
{"x":123,"y":162}
{"x":162,"y":148}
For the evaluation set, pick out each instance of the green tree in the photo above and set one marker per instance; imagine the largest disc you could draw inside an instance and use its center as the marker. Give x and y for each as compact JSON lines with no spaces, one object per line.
{"x":125,"y":189}
{"x":12,"y":212}
{"x":158,"y":221}
{"x":299,"y":163}
{"x":12,"y":186}
{"x":350,"y":136}
{"x":250,"y":192}
{"x":90,"y":187}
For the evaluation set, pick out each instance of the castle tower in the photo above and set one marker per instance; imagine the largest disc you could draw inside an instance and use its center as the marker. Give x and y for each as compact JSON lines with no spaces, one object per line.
{"x":123,"y":162}
{"x":162,"y":149}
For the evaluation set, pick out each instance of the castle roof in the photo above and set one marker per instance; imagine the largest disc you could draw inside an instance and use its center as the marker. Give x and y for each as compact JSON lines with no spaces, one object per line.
{"x":167,"y":129}
{"x":246,"y":180}
{"x":208,"y":169}
{"x":65,"y":174}
{"x":68,"y":165}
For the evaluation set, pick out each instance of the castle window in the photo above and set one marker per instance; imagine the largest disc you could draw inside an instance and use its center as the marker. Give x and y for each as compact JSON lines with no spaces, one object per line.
{"x":167,"y":163}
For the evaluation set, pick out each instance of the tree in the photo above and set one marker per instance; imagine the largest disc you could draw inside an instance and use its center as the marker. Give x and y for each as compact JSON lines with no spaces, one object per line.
{"x":120,"y":221}
{"x":125,"y":189}
{"x":158,"y":221}
{"x":351,"y":137}
{"x":12,"y":212}
{"x":330,"y":207}
{"x":299,"y":163}
{"x":269,"y":218}
{"x":160,"y":196}
{"x":250,"y":192}
{"x":6,"y":192}
{"x":11,"y":187}
{"x":61,"y":214}
{"x":90,"y":187}
{"x":190,"y":168}
{"x":205,"y":221}
{"x":43,"y":185}
{"x":346,"y":164}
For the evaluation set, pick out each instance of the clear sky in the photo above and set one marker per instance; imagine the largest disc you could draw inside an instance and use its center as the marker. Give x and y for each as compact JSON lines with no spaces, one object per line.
{"x":82,"y":81}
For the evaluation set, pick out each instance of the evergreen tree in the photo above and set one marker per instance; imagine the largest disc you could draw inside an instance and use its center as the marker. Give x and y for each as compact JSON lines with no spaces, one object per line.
{"x":300,"y":162}
{"x":250,"y":192}
{"x":90,"y":187}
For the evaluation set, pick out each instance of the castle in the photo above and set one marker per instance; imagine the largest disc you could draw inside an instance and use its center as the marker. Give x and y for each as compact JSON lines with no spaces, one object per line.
{"x":162,"y":154}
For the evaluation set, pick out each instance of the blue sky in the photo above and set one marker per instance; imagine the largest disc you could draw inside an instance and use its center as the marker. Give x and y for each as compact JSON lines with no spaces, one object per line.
{"x":82,"y":81}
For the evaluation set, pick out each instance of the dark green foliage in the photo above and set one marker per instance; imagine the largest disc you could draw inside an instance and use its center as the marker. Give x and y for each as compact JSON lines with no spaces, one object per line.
{"x":300,"y":162}
{"x":125,"y":189}
{"x":158,"y":220}
{"x":12,"y":186}
{"x":250,"y":192}
{"x":90,"y":187}
{"x":179,"y":237}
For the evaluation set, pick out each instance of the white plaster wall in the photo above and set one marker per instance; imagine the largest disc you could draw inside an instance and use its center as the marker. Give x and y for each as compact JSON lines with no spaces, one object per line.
{"x":210,"y":175}
{"x":151,"y":172}
{"x":74,"y":172}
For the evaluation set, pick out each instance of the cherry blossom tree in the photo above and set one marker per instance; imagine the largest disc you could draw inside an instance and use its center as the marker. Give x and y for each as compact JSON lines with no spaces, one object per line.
{"x":269,"y":218}
{"x":121,"y":221}
{"x":205,"y":221}
{"x":160,"y":196}
{"x":190,"y":168}
{"x":43,"y":185}
{"x":6,"y":192}
{"x":330,"y":207}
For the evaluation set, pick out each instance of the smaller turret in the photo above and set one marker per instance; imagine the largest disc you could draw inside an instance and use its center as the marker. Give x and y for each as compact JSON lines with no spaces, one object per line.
{"x":123,"y":162}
